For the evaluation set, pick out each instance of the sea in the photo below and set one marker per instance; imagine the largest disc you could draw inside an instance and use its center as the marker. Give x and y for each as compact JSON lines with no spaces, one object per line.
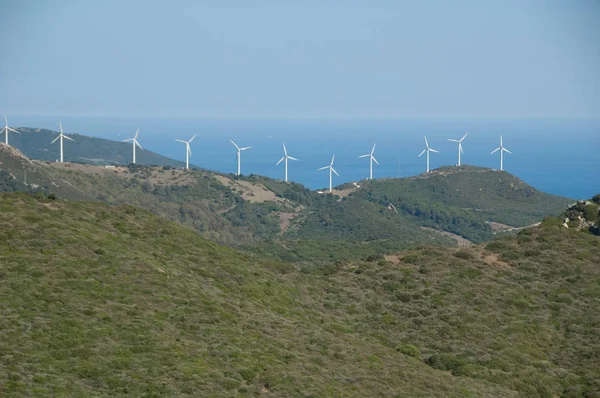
{"x":557,"y":156}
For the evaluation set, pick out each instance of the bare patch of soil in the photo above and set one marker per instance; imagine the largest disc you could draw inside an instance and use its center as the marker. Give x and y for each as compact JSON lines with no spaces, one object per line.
{"x":462,"y":242}
{"x":253,"y":193}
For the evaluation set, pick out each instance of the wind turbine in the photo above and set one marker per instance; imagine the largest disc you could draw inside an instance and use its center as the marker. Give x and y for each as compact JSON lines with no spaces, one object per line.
{"x":502,"y":149}
{"x":135,"y":142}
{"x":331,"y":170}
{"x":61,"y":136}
{"x":460,"y":150}
{"x":6,"y":129}
{"x":188,"y":151}
{"x":371,"y":159}
{"x":427,"y":149}
{"x":285,"y":157}
{"x":238,"y":156}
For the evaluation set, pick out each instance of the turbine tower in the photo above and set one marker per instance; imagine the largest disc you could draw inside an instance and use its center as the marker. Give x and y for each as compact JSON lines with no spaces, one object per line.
{"x":331,"y":170}
{"x":135,"y":142}
{"x":61,"y":136}
{"x":371,"y":159}
{"x":460,"y":150}
{"x":502,"y":150}
{"x":427,"y":149}
{"x":6,"y":129}
{"x":285,"y":157}
{"x":188,"y":151}
{"x":238,"y":156}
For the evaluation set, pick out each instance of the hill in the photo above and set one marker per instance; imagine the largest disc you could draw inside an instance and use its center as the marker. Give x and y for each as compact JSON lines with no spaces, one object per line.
{"x":114,"y":300}
{"x":35,"y":144}
{"x":470,"y":201}
{"x":288,"y":221}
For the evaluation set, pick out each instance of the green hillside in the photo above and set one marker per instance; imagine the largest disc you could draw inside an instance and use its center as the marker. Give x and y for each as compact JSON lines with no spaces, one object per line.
{"x":290,"y":222}
{"x":35,"y":144}
{"x":102,"y":300}
{"x":117,"y":301}
{"x":463,"y":200}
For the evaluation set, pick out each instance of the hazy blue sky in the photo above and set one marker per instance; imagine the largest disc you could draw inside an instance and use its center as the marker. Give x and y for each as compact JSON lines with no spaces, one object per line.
{"x":301,"y":58}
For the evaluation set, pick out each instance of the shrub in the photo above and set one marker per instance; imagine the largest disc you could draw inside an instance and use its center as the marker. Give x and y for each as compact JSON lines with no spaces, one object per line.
{"x":464,"y":254}
{"x":409,"y":349}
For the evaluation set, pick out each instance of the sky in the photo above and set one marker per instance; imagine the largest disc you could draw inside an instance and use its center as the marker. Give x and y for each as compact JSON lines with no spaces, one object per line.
{"x":301,"y":59}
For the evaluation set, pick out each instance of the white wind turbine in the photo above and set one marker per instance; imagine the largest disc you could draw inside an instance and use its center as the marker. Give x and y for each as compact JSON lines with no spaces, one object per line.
{"x":331,"y":170}
{"x":61,"y":136}
{"x":427,"y":149}
{"x":188,"y":151}
{"x":371,"y":159}
{"x":238,"y":156}
{"x":502,"y":150}
{"x":285,"y":157}
{"x":135,"y":142}
{"x":6,"y":129}
{"x":460,"y":150}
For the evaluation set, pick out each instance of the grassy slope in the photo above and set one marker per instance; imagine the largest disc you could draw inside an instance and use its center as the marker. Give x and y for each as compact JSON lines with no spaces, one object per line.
{"x":114,"y":300}
{"x":324,"y":228}
{"x":35,"y":144}
{"x":461,"y":200}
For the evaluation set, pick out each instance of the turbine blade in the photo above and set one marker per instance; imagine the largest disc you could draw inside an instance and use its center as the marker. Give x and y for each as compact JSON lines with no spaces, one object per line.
{"x":60,"y":124}
{"x":185,"y":142}
{"x":138,"y":144}
{"x":54,"y":140}
{"x":424,"y":150}
{"x":234,"y":144}
{"x":5,"y":121}
{"x":426,"y":143}
{"x":364,"y":156}
{"x":461,"y":150}
{"x":280,"y":160}
{"x":189,"y":150}
{"x":137,"y":132}
{"x":68,"y":138}
{"x":332,"y":159}
{"x":291,"y":158}
{"x":373,"y":150}
{"x":375,"y":160}
{"x":464,"y":136}
{"x":449,"y":139}
{"x":500,"y":140}
{"x":127,"y":140}
{"x":284,"y":150}
{"x":13,"y":130}
{"x":491,"y":153}
{"x":433,"y":150}
{"x":336,"y":173}
{"x":244,"y":148}
{"x":192,"y":139}
{"x":323,"y":168}
{"x":506,"y":150}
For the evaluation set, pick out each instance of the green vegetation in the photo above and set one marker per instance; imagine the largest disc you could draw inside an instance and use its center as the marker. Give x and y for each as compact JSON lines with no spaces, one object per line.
{"x":35,"y":144}
{"x":114,"y":300}
{"x":288,"y":221}
{"x":100,"y":300}
{"x":462,"y":200}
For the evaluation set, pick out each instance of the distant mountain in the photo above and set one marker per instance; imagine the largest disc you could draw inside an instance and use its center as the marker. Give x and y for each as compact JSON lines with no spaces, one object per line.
{"x":35,"y":144}
{"x":113,"y":300}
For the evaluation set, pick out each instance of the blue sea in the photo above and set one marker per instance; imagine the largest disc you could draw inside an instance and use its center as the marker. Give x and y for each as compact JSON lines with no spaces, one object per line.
{"x":561,"y":157}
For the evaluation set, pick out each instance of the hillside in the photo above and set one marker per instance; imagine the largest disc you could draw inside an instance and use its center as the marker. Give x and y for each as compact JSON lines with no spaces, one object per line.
{"x":114,"y":300}
{"x":35,"y":144}
{"x":290,"y":222}
{"x":470,"y":201}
